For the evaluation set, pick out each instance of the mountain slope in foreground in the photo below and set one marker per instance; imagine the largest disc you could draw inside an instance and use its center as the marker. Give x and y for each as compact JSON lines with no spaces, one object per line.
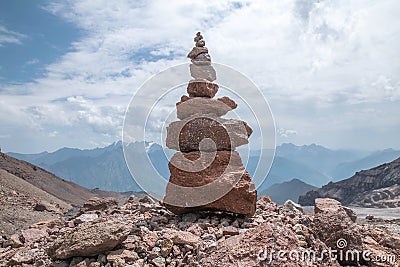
{"x":378,"y":187}
{"x":22,"y":204}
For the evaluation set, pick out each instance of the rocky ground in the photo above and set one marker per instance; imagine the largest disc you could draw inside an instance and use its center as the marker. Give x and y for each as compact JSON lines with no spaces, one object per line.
{"x":143,"y":233}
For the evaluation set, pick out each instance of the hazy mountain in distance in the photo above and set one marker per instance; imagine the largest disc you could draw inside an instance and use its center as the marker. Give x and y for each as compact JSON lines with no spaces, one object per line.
{"x":106,"y":171}
{"x":287,"y":190}
{"x":347,"y":169}
{"x":102,"y":168}
{"x":105,"y":168}
{"x":317,"y":157}
{"x":283,"y":170}
{"x":47,"y":159}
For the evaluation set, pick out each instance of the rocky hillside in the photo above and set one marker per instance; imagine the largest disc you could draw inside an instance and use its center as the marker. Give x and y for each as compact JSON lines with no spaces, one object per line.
{"x":65,"y":191}
{"x":69,"y":192}
{"x":29,"y":194}
{"x":378,"y":187}
{"x":144,"y":233}
{"x":22,"y":204}
{"x":92,"y":168}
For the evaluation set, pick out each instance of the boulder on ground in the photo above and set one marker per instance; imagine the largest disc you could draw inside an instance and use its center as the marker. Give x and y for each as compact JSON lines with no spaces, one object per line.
{"x":333,"y":226}
{"x":97,"y":203}
{"x":89,"y":239}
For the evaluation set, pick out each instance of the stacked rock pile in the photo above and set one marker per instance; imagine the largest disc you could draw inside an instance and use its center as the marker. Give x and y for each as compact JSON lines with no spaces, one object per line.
{"x":207,"y":173}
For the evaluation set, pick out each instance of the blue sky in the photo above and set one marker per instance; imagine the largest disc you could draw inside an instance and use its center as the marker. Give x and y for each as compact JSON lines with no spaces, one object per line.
{"x":68,"y":69}
{"x":40,"y":39}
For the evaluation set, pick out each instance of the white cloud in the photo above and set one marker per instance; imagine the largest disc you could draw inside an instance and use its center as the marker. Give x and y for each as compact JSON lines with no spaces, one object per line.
{"x":10,"y":37}
{"x":309,"y":57}
{"x":53,"y":134}
{"x":286,"y":132}
{"x":33,"y":61}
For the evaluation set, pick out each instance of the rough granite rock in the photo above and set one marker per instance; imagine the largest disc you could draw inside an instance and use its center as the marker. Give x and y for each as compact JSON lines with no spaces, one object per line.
{"x":230,"y":230}
{"x":200,"y":43}
{"x":182,"y":237}
{"x":333,"y":225}
{"x":97,"y":203}
{"x":189,"y":106}
{"x":88,"y":239}
{"x":225,"y":168}
{"x":33,"y":235}
{"x":198,"y":37}
{"x":202,"y":59}
{"x":186,"y":135}
{"x":197,"y":51}
{"x":202,"y":88}
{"x":380,"y":243}
{"x":203,"y":72}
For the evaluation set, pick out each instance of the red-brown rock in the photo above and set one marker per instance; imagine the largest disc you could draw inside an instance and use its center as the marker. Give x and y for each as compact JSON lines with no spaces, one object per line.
{"x":202,"y":88}
{"x":189,"y":134}
{"x":333,"y":226}
{"x":230,"y":230}
{"x":182,"y":237}
{"x":89,"y":239}
{"x":33,"y":235}
{"x":202,"y":59}
{"x":203,"y":72}
{"x":225,"y":169}
{"x":189,"y":106}
{"x":227,"y":101}
{"x":97,"y":203}
{"x":197,"y":51}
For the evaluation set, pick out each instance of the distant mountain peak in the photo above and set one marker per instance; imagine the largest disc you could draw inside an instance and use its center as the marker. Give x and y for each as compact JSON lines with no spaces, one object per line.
{"x":300,"y":147}
{"x":287,"y":190}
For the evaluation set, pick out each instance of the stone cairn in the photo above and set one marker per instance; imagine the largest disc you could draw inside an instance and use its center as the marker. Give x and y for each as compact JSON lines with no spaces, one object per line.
{"x":207,"y":173}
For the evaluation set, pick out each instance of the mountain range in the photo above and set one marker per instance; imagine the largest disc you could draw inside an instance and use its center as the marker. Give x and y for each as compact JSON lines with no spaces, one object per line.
{"x":105,"y":168}
{"x":378,"y":187}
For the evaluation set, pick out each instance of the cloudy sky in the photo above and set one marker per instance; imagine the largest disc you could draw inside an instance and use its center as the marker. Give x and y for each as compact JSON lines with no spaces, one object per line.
{"x":329,"y":69}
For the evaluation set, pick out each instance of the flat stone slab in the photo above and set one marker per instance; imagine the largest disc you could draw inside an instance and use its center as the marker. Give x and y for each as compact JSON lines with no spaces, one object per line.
{"x":189,"y":106}
{"x":207,"y":72}
{"x":207,"y":133}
